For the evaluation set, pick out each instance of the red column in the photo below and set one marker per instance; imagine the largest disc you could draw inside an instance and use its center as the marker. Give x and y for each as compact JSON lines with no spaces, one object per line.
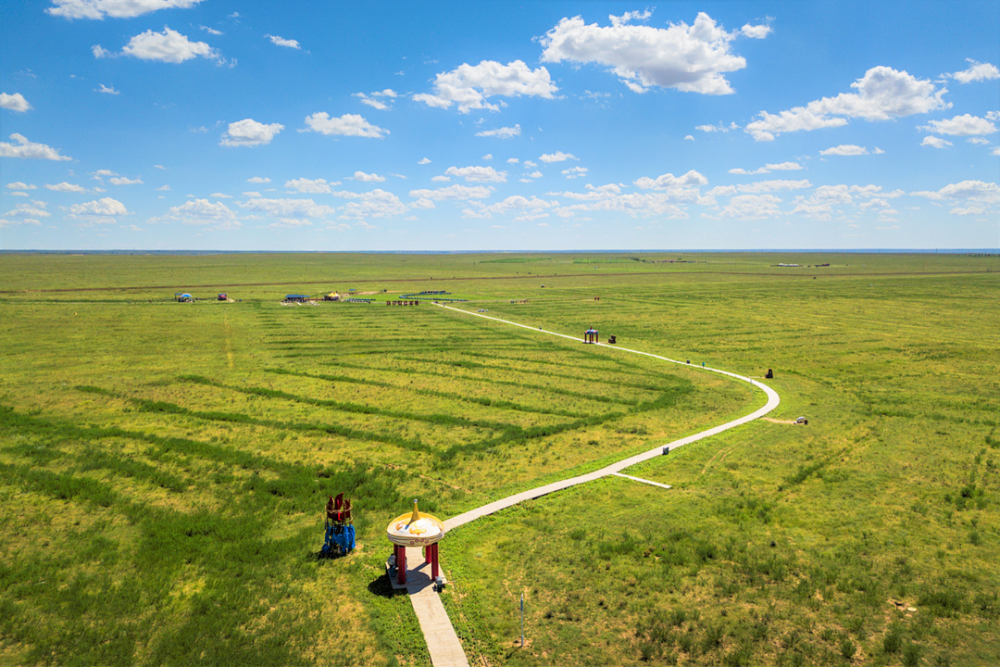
{"x":434,"y":560}
{"x":400,"y":565}
{"x":428,"y":550}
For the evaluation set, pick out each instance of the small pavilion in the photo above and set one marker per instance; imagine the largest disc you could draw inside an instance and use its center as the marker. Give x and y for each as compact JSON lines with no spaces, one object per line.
{"x":416,"y":529}
{"x":591,"y":336}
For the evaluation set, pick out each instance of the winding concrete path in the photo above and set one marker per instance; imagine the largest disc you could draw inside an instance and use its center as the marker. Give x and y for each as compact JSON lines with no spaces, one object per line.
{"x":438,"y":631}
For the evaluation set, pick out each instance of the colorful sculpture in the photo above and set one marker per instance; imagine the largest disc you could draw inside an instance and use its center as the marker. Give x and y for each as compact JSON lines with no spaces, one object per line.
{"x":339,"y":528}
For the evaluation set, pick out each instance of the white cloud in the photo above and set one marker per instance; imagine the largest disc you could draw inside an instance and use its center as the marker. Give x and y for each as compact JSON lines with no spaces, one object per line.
{"x":220,"y":195}
{"x":978,"y":191}
{"x":104,"y":172}
{"x":368,"y":178}
{"x":669,"y":181}
{"x":535,"y":174}
{"x":628,"y":17}
{"x":64,"y":187}
{"x":487,"y":157}
{"x":512,"y":160}
{"x":24,"y":221}
{"x":211,"y":31}
{"x":717,"y":128}
{"x":168,"y":46}
{"x":477,"y":174}
{"x":756,"y":31}
{"x":845,"y":149}
{"x":374,"y":204}
{"x":530,"y":164}
{"x":574,"y":172}
{"x":251,"y":194}
{"x":768,"y":168}
{"x":454,"y":192}
{"x":18,"y":194}
{"x":202,"y":212}
{"x":502,"y":132}
{"x":163,"y":188}
{"x":558,"y":156}
{"x":610,"y":198}
{"x":469,"y":86}
{"x":18,"y":185}
{"x":977,"y":72}
{"x":773,"y":186}
{"x":158,"y":166}
{"x":688,"y":137}
{"x":15,"y":102}
{"x":248,"y":132}
{"x":961,"y":126}
{"x":36,"y":209}
{"x":424,"y":161}
{"x":258,"y":179}
{"x":291,"y":223}
{"x":935,"y":142}
{"x":317,"y":186}
{"x":29,"y":150}
{"x":348,"y":125}
{"x":373,"y":101}
{"x":882,"y":93}
{"x":751,"y":207}
{"x":979,"y":141}
{"x":969,"y":210}
{"x":288,"y":208}
{"x":688,"y":58}
{"x":441,"y":179}
{"x":98,"y":9}
{"x":281,"y":41}
{"x":110,"y":90}
{"x":103,"y":207}
{"x":125,"y":181}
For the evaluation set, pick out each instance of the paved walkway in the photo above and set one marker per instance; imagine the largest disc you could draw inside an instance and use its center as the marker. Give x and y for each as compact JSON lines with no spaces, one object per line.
{"x":442,"y":642}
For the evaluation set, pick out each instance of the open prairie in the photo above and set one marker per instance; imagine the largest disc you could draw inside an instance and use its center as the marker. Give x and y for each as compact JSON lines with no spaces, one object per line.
{"x":164,"y":465}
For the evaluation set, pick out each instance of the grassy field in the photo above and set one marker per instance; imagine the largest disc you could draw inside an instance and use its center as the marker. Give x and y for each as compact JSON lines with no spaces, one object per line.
{"x":164,"y":465}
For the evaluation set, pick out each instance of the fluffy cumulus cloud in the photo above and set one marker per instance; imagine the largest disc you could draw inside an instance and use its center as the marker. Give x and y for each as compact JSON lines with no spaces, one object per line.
{"x":820,"y":204}
{"x":36,"y":209}
{"x":348,"y":125}
{"x":101,"y":207}
{"x":98,"y":9}
{"x":669,"y":181}
{"x":423,"y":161}
{"x":961,"y":126}
{"x":772,"y":186}
{"x":29,"y":150}
{"x":122,"y":180}
{"x":258,"y":179}
{"x":375,"y":204}
{"x":454,"y":192}
{"x":478,"y":174}
{"x":109,"y":90}
{"x":168,"y":46}
{"x":768,"y":168}
{"x":368,"y":178}
{"x":18,"y":185}
{"x":248,"y":132}
{"x":288,"y":208}
{"x":204,"y":213}
{"x":846,"y":150}
{"x":717,"y":128}
{"x":378,"y":100}
{"x":15,"y":102}
{"x":64,"y":187}
{"x":526,"y":208}
{"x":752,"y":207}
{"x":470,"y":86}
{"x":882,"y":93}
{"x":688,"y":58}
{"x":558,"y":156}
{"x":611,"y":198}
{"x":573,"y":172}
{"x":315,"y":186}
{"x":977,"y":191}
{"x":281,"y":41}
{"x":976,"y":72}
{"x":935,"y":142}
{"x":502,"y":132}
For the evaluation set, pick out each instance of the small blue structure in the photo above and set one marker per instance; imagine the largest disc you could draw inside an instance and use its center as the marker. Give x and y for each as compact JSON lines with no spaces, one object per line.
{"x":296,"y":298}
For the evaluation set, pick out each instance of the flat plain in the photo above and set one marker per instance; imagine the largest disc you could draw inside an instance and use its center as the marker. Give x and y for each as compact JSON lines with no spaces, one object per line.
{"x":165,"y":465}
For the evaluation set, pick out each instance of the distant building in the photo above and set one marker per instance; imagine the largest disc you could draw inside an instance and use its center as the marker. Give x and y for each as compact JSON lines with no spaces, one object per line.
{"x":296,"y":298}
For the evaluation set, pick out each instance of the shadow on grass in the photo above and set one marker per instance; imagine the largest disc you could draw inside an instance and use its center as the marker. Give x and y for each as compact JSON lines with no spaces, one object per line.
{"x":382,"y":587}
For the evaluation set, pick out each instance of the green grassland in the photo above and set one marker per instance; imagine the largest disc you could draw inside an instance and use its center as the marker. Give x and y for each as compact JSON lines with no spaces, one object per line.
{"x":163,"y":466}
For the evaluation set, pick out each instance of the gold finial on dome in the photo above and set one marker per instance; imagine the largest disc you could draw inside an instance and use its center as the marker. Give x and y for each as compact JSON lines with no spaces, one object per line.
{"x":416,"y":512}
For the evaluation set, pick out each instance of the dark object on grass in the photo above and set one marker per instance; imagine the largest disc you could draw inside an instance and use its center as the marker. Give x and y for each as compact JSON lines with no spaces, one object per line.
{"x":802,"y":420}
{"x":612,"y":340}
{"x":770,"y":374}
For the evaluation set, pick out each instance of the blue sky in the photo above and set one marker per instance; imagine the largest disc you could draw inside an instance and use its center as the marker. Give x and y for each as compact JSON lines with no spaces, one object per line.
{"x":187,"y":124}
